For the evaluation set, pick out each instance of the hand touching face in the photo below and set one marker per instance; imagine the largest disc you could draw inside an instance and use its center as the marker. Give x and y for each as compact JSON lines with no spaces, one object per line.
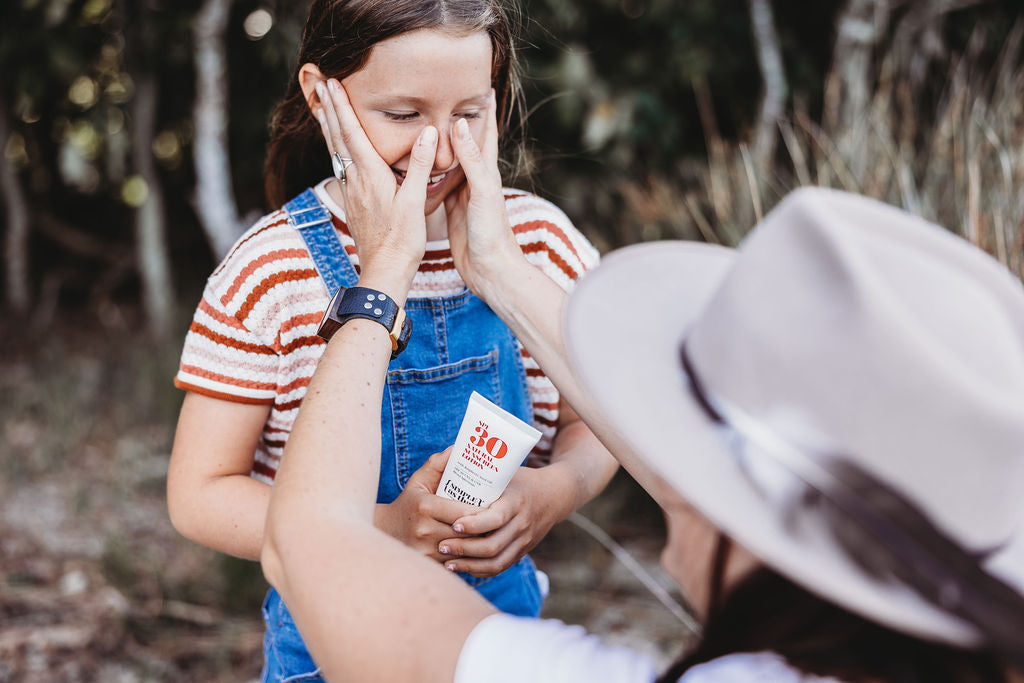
{"x":425,"y":77}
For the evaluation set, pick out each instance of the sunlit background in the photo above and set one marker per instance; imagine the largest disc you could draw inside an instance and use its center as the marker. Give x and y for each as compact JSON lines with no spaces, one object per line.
{"x":133,"y":134}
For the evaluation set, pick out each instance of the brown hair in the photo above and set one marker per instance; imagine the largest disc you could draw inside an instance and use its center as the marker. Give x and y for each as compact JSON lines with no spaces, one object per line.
{"x":338,"y":38}
{"x":766,"y":612}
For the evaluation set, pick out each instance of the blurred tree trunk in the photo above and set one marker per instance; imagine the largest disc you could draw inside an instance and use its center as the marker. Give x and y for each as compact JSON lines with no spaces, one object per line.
{"x":773,"y":99}
{"x":151,"y":253}
{"x":215,"y":198}
{"x":17,"y":290}
{"x":861,"y":24}
{"x":150,"y":219}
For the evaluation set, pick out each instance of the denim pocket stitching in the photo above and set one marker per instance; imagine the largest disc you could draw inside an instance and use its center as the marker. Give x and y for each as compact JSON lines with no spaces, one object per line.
{"x":443,"y":372}
{"x":283,"y":618}
{"x":448,"y":301}
{"x":314,"y":675}
{"x":400,"y":436}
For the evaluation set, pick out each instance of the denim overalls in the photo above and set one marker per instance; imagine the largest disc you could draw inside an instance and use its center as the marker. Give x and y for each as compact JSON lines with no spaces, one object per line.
{"x":458,"y":346}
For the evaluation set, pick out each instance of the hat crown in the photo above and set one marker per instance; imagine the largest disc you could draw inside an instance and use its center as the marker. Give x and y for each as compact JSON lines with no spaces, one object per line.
{"x":834,"y":297}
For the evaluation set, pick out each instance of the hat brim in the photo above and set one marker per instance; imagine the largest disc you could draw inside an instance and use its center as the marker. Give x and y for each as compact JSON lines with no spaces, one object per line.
{"x":624,"y":325}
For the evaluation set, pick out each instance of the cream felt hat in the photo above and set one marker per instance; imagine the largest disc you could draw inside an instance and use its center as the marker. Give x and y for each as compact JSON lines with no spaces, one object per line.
{"x":843,"y":395}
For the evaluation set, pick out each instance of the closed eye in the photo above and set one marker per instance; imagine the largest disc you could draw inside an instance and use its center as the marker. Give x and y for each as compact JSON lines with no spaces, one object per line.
{"x":400,"y":116}
{"x":469,"y":115}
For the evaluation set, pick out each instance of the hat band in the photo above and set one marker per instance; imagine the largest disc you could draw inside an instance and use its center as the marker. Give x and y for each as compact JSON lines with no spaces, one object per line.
{"x":890,"y":536}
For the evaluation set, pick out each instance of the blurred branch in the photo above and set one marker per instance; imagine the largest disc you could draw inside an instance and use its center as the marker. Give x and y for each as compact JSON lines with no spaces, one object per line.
{"x":215,"y":199}
{"x":17,"y":293}
{"x":637,"y":570}
{"x":918,"y":37}
{"x":76,"y":241}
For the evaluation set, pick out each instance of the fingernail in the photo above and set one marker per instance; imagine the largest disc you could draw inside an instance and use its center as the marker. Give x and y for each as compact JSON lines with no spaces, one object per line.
{"x":320,"y":89}
{"x":462,"y":128}
{"x":458,"y":528}
{"x":428,"y":136}
{"x":444,"y":550}
{"x":333,"y":85}
{"x":450,"y":567}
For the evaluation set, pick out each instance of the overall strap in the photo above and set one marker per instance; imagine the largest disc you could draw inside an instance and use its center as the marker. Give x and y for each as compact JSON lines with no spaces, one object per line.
{"x":310,"y":217}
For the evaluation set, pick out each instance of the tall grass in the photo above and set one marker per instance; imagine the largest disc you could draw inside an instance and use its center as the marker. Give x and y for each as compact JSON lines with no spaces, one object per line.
{"x":958,"y":162}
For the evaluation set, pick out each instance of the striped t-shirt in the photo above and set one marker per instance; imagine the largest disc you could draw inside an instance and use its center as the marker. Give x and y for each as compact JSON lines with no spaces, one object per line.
{"x":253,"y":337}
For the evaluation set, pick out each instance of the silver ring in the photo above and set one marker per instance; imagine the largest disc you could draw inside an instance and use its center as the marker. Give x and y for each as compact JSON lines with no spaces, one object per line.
{"x":341,"y":165}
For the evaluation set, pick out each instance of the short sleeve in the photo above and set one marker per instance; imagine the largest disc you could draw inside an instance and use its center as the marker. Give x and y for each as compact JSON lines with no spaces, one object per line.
{"x":507,"y":649}
{"x":549,"y":239}
{"x":222,"y":359}
{"x":262,"y":293}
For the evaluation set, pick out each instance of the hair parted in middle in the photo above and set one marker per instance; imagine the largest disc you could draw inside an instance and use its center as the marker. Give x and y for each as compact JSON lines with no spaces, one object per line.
{"x":338,"y":38}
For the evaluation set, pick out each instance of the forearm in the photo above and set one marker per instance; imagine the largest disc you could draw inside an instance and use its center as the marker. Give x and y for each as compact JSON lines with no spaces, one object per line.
{"x":533,"y":309}
{"x":227,"y":514}
{"x":361,"y":597}
{"x":583,"y":464}
{"x":358,"y":595}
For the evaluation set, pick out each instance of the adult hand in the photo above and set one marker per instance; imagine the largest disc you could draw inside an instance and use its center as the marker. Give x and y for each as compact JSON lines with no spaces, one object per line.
{"x":420,"y":518}
{"x":479,"y":230}
{"x":386,"y":219}
{"x":494,"y":539}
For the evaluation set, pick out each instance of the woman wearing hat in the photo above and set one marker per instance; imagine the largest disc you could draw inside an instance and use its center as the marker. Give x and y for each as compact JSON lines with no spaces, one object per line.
{"x":831,"y":418}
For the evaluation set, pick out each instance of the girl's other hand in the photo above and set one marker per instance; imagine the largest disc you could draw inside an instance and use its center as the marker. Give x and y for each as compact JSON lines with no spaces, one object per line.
{"x":479,"y":230}
{"x":386,"y":220}
{"x":418,"y":517}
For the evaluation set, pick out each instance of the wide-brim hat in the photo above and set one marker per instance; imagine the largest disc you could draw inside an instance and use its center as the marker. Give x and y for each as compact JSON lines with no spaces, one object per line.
{"x":840,"y":326}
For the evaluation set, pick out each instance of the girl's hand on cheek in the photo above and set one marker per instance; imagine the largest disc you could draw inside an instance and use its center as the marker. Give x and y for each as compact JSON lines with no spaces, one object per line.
{"x":478,"y":227}
{"x":386,"y":220}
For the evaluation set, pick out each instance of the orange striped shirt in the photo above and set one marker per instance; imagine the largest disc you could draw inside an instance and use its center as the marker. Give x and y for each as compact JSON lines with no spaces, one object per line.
{"x":253,"y":337}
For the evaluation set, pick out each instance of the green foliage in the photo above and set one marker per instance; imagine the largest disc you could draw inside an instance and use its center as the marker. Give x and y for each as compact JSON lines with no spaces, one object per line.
{"x":610,"y":83}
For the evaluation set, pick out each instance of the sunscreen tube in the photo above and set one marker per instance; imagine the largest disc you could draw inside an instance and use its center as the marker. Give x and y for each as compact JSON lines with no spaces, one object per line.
{"x":491,"y":445}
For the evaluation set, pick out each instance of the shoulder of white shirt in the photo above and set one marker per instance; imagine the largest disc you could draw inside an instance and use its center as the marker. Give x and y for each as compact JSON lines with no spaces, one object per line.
{"x":507,"y":649}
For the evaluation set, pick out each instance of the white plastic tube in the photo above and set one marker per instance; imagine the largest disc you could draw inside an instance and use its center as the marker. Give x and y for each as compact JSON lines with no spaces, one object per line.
{"x":491,"y":445}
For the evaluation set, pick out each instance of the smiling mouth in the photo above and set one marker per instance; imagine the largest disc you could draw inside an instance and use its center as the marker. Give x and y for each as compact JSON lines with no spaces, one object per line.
{"x":434,"y":179}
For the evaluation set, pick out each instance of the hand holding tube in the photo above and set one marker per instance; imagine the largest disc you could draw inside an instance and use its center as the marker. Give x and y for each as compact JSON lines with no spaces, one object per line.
{"x":418,"y":518}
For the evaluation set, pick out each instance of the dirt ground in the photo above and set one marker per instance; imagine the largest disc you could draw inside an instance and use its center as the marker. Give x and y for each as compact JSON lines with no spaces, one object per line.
{"x":95,"y":585}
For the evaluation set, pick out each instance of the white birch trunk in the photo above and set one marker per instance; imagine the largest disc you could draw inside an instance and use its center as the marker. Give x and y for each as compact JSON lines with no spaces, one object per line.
{"x":773,"y":99}
{"x":215,"y":198}
{"x":848,"y":93}
{"x":150,"y":219}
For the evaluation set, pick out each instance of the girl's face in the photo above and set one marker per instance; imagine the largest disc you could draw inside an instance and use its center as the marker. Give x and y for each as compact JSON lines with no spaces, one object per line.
{"x":420,"y":78}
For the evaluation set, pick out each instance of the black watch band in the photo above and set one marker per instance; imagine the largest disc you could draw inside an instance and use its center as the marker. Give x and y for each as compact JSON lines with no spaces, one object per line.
{"x":363,"y":302}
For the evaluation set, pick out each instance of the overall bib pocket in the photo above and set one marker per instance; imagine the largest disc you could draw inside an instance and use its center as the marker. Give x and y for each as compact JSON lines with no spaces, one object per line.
{"x":422,"y":424}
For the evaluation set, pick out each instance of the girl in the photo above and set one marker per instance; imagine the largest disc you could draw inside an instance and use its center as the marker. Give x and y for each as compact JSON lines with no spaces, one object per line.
{"x":408,"y":66}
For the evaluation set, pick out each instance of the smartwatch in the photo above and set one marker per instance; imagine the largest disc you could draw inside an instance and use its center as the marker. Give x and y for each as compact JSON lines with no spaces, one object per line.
{"x":363,"y":302}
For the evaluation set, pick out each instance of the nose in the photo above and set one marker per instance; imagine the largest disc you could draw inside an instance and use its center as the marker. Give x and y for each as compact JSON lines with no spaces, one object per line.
{"x":445,"y":157}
